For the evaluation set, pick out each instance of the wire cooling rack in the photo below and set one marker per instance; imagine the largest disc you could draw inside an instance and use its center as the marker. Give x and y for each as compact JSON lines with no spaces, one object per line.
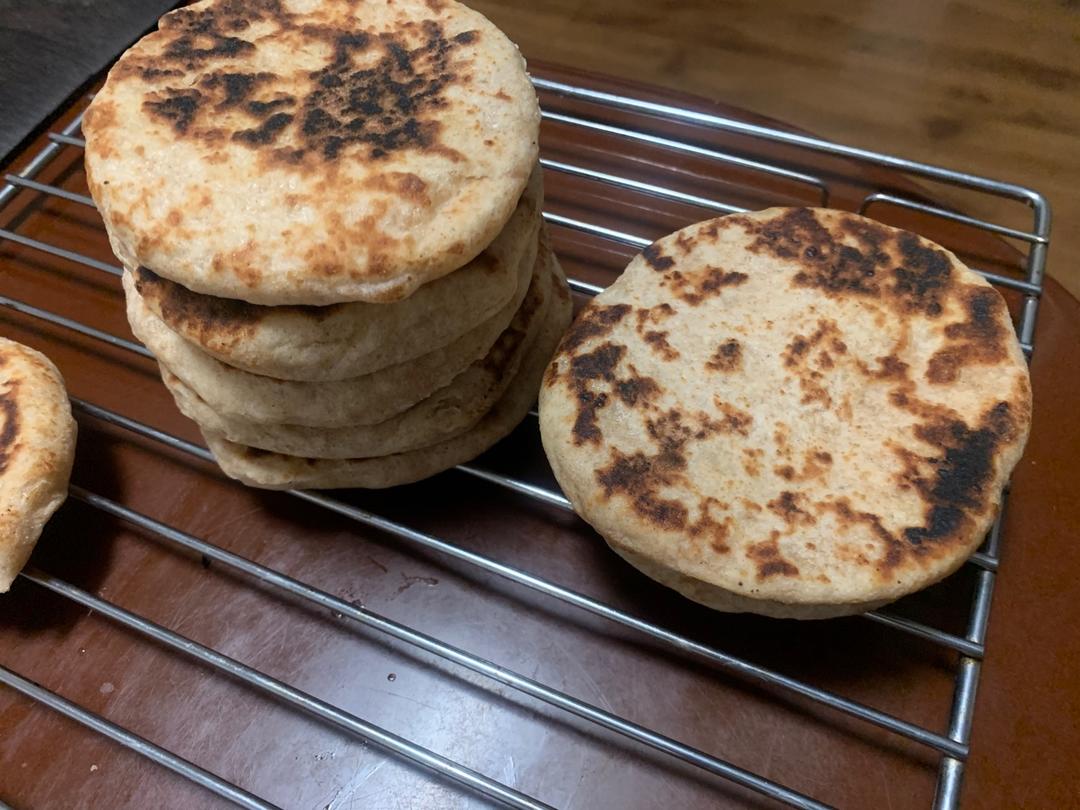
{"x":601,"y":114}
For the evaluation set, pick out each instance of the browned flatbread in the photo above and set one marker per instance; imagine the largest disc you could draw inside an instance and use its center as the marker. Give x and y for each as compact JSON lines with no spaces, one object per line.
{"x":259,"y":468}
{"x":798,"y":412}
{"x":37,"y":448}
{"x":296,"y":152}
{"x":447,"y":412}
{"x":345,"y":341}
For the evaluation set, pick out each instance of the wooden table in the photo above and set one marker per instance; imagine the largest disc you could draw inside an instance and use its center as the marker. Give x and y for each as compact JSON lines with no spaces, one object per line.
{"x":991,"y":87}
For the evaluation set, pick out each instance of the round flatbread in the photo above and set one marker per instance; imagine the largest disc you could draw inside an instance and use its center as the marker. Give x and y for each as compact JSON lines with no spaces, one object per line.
{"x":303,"y":152}
{"x":797,"y":412}
{"x":276,"y":471}
{"x":345,"y":341}
{"x":365,"y":400}
{"x":448,"y":412}
{"x":37,"y":448}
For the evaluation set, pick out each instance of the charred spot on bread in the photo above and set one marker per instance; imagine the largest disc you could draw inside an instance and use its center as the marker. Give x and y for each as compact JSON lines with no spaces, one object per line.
{"x":639,"y":477}
{"x":656,"y":259}
{"x":209,"y":315}
{"x":727,"y":357}
{"x":768,"y":560}
{"x":9,"y":413}
{"x":717,"y":531}
{"x":634,"y":390}
{"x":376,"y":94}
{"x":979,"y":340}
{"x":786,"y":507}
{"x":593,"y":321}
{"x":891,"y":265}
{"x":959,"y":478}
{"x":694,"y":286}
{"x":658,"y":342}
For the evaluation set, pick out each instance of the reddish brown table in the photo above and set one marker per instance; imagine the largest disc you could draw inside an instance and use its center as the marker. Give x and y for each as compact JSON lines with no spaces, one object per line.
{"x":1028,"y":703}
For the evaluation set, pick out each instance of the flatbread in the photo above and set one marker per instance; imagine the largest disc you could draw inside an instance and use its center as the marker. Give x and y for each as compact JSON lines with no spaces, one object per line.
{"x":37,"y":448}
{"x":797,"y":412}
{"x":311,"y":151}
{"x":365,"y":400}
{"x":276,"y":471}
{"x":448,"y":412}
{"x":345,"y":341}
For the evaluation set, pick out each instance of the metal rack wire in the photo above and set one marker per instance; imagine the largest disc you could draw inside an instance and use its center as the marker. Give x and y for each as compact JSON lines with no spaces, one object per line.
{"x":952,"y":745}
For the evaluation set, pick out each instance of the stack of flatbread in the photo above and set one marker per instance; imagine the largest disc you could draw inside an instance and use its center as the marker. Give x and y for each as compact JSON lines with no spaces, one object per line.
{"x":329,"y":216}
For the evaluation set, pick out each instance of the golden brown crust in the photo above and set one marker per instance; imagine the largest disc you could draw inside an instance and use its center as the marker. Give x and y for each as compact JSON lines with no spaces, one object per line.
{"x":37,"y":446}
{"x":364,"y":400}
{"x":343,"y":341}
{"x":276,"y":471}
{"x":288,"y":152}
{"x":828,"y":424}
{"x":387,"y":106}
{"x":447,"y":412}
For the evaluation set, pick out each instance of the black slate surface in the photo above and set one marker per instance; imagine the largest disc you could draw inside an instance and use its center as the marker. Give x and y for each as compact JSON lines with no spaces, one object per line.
{"x":50,"y":48}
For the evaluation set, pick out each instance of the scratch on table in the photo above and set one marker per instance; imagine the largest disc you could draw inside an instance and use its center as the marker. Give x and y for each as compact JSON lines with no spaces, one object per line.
{"x":358,"y":781}
{"x":408,"y":580}
{"x":885,"y":784}
{"x":403,"y":697}
{"x":594,"y":774}
{"x":509,"y":774}
{"x":585,"y":674}
{"x":773,"y":738}
{"x":237,"y":518}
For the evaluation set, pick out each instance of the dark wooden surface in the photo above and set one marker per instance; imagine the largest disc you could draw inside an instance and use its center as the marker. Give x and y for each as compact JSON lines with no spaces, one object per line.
{"x":50,"y":47}
{"x":1025,"y":728}
{"x":1027,"y":721}
{"x":991,"y":87}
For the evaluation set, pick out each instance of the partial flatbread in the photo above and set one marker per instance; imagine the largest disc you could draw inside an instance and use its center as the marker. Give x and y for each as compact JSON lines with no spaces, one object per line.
{"x":365,"y":400}
{"x":797,"y":412}
{"x":37,"y":449}
{"x":446,"y":413}
{"x":311,"y":151}
{"x":276,"y":471}
{"x":346,"y":341}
